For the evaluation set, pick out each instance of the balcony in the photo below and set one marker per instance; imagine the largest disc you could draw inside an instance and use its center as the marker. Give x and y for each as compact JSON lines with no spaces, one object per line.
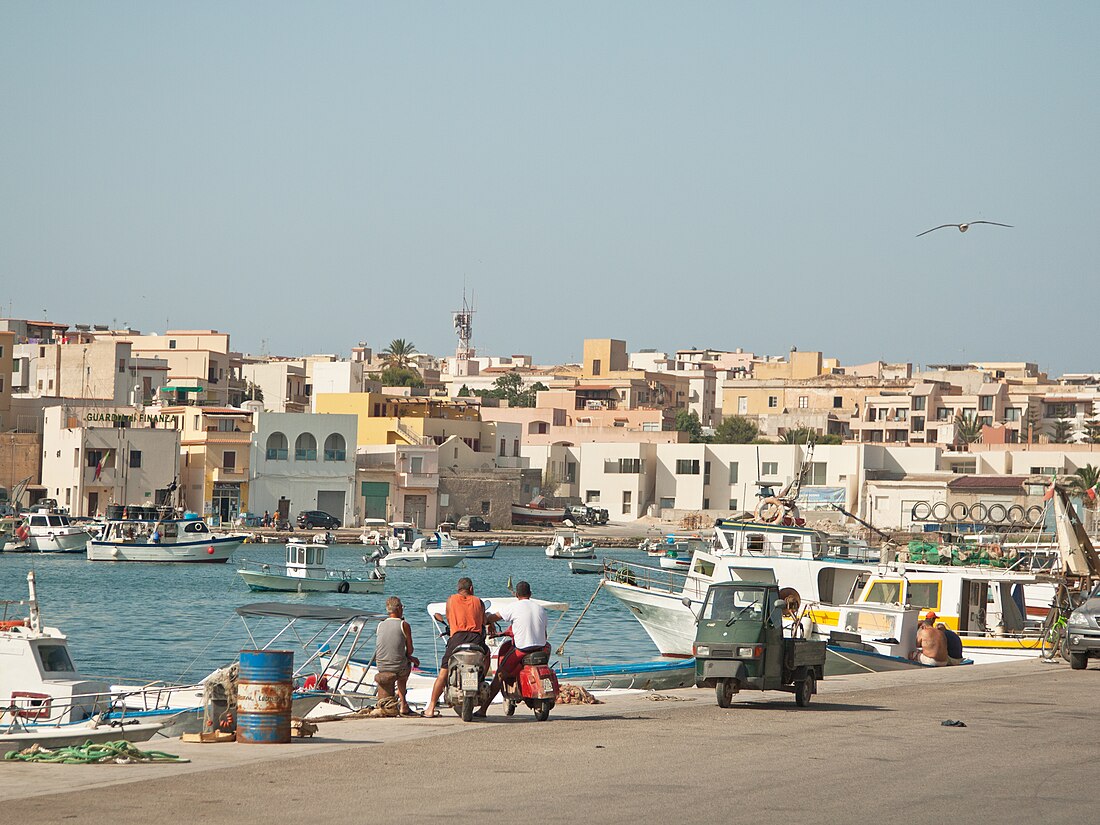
{"x":419,"y":481}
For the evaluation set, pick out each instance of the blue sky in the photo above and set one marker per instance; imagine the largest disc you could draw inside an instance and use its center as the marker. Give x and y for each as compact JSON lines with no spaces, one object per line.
{"x":307,"y":176}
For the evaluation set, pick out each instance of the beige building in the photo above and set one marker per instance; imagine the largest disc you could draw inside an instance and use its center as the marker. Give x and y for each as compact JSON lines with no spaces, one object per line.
{"x":90,"y":369}
{"x":282,"y":382}
{"x":96,"y":456}
{"x":7,"y":345}
{"x":215,"y":447}
{"x":201,"y":367}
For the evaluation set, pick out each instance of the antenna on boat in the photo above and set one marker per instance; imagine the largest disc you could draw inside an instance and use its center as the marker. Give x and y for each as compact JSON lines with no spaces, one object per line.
{"x":32,"y":602}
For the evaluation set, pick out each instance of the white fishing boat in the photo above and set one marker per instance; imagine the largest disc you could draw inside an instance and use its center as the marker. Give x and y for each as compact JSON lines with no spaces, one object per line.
{"x":155,"y":539}
{"x":475,"y":550}
{"x":419,"y":555}
{"x":305,"y":572}
{"x":48,"y":531}
{"x":822,"y":574}
{"x":568,"y":544}
{"x":585,"y":567}
{"x":46,"y":700}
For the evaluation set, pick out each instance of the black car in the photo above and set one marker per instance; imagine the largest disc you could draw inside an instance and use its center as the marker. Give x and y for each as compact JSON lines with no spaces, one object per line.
{"x":473,"y":524}
{"x":309,"y":519}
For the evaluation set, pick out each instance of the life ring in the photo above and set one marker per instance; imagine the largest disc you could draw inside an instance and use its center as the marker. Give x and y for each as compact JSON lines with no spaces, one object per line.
{"x":921,"y":511}
{"x":793,"y":600}
{"x":343,"y":587}
{"x":11,"y":625}
{"x":770,"y":511}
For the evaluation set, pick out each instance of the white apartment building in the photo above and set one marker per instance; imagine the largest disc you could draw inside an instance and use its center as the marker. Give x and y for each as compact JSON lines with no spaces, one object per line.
{"x":95,"y":456}
{"x":303,"y":461}
{"x":282,"y":383}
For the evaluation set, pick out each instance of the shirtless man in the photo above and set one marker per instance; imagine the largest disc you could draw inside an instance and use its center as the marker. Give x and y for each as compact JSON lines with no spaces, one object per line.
{"x":931,"y":643}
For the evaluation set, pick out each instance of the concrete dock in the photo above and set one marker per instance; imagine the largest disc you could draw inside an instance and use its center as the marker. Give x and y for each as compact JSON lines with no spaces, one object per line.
{"x":869,"y":748}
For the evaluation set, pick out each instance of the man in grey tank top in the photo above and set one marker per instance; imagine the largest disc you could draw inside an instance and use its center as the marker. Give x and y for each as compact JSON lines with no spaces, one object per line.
{"x":393,"y":655}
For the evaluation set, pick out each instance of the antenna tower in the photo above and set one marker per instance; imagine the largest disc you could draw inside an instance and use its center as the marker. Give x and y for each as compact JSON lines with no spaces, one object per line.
{"x":464,"y":326}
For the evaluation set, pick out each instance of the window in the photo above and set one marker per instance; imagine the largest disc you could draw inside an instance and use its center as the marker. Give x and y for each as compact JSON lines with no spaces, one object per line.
{"x":227,"y":425}
{"x":229,"y":459}
{"x":1044,"y":471}
{"x":754,"y":542}
{"x":627,"y":496}
{"x":791,"y":544}
{"x":596,"y":366}
{"x":733,"y":504}
{"x":55,"y":659}
{"x":815,"y":477}
{"x":943,"y":414}
{"x":687,"y":466}
{"x":706,"y":504}
{"x":135,"y":459}
{"x":305,"y":448}
{"x":93,"y":457}
{"x":706,"y":474}
{"x":626,"y":466}
{"x":803,"y":402}
{"x":838,"y":402}
{"x":276,"y":447}
{"x":485,"y":508}
{"x":742,"y":404}
{"x":920,"y":402}
{"x":171,"y":343}
{"x":985,"y":403}
{"x":515,"y":448}
{"x":503,"y":447}
{"x":416,"y":465}
{"x":773,"y":401}
{"x":197,"y":422}
{"x":769,"y":468}
{"x":918,"y":424}
{"x":884,"y":592}
{"x":570,"y":472}
{"x":592,"y":497}
{"x":122,"y":365}
{"x":987,"y":420}
{"x":924,"y":595}
{"x":335,"y":448}
{"x":1012,"y":414}
{"x":733,"y":473}
{"x":668,"y":503}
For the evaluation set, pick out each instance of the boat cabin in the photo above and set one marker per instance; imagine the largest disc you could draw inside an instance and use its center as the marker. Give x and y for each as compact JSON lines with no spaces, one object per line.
{"x":888,"y":629}
{"x":305,"y":561}
{"x":753,"y":538}
{"x":43,"y":520}
{"x":173,"y":531}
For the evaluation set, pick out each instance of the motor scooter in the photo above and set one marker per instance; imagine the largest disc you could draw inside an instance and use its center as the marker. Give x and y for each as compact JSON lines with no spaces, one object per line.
{"x":467,"y":687}
{"x":536,"y":684}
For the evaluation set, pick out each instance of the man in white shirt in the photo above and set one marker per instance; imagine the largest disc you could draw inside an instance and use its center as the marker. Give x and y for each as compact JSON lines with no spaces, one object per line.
{"x":528,"y":620}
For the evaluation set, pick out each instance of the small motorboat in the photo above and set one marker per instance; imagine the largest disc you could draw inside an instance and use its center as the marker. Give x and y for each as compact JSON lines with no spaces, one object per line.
{"x":475,"y":550}
{"x":305,"y":572}
{"x":46,"y":701}
{"x":585,"y":567}
{"x":568,"y":544}
{"x":419,"y":555}
{"x":45,"y":530}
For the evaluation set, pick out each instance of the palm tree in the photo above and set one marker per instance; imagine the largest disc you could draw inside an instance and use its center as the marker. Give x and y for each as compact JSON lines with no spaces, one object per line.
{"x":399,"y":353}
{"x":1086,"y":478}
{"x":968,"y":429}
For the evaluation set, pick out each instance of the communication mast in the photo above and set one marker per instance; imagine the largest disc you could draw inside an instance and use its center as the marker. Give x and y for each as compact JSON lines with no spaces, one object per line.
{"x":464,"y":326}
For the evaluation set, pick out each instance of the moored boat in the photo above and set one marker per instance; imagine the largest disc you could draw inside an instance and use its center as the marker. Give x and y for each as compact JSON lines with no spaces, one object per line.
{"x":45,"y":530}
{"x":154,"y":538}
{"x":305,"y":572}
{"x":568,"y":544}
{"x":534,"y":514}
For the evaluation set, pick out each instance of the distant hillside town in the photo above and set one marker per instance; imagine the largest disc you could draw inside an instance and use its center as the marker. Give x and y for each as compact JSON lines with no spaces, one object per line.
{"x":92,"y":416}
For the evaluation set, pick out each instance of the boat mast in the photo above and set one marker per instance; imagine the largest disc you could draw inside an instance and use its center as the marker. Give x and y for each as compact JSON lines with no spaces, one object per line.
{"x":32,"y":603}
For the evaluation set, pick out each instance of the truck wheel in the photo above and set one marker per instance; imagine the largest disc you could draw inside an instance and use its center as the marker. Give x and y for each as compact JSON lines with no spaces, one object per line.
{"x":1078,"y":661}
{"x":467,"y":709}
{"x":510,"y":707}
{"x":542,"y":712}
{"x":724,"y":690}
{"x":804,"y":690}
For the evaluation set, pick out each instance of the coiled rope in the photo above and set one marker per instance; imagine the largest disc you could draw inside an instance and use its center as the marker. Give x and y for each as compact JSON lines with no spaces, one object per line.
{"x":90,"y":753}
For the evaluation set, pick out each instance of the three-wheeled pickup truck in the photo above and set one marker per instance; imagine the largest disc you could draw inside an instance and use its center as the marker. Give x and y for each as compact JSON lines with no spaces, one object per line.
{"x":740,"y":645}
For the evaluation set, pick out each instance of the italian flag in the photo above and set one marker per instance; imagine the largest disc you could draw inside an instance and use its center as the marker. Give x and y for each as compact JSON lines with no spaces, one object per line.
{"x":100,"y":464}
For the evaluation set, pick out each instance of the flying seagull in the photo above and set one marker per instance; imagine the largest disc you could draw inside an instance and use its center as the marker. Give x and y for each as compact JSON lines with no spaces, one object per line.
{"x":962,"y":227}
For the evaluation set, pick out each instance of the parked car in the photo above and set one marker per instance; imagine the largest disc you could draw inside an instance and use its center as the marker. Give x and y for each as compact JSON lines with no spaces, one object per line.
{"x":310,"y":519}
{"x":473,"y":524}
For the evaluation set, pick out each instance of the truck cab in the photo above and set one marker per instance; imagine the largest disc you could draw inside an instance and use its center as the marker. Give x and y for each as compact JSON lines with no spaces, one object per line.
{"x":740,"y":644}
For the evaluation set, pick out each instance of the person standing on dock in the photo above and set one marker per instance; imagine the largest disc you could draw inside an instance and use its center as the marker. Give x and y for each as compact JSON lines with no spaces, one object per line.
{"x":393,"y":655}
{"x":466,"y":622}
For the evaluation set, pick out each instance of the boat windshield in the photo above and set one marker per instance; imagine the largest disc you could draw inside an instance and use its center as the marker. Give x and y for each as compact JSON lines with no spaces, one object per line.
{"x":55,"y":659}
{"x":730,"y":604}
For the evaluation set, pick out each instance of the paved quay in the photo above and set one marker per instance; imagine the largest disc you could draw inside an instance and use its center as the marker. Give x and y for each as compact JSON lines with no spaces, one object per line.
{"x":869,"y":748}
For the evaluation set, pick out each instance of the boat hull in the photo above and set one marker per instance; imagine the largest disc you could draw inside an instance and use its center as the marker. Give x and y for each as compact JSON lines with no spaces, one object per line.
{"x":586,"y":567}
{"x":420,"y":560}
{"x":536,"y":516}
{"x":293,"y":584}
{"x":480,"y":551}
{"x":57,"y":543}
{"x":211,"y":550}
{"x":63,"y":736}
{"x":663,"y":616}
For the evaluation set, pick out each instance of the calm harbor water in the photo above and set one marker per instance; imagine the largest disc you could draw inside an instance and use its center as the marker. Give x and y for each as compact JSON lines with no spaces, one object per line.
{"x":176,"y":621}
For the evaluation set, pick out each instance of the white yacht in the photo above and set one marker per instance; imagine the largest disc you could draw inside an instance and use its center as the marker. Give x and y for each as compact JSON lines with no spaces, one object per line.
{"x":49,"y":531}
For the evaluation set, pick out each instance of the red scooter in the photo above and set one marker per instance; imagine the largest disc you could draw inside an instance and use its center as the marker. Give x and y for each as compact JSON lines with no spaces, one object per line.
{"x":536,"y":685}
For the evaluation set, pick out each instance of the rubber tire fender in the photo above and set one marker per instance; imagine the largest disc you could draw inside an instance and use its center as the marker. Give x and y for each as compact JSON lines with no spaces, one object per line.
{"x":343,"y":587}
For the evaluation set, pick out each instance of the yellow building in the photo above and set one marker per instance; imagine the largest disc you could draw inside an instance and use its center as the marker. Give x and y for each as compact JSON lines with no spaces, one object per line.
{"x":415,"y":420}
{"x":215,"y":445}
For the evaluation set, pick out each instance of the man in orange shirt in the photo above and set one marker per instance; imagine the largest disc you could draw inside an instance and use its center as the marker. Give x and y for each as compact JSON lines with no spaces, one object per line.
{"x":466,"y":621}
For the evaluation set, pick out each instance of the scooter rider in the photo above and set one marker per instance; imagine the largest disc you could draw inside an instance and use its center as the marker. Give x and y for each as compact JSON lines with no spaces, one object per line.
{"x":466,"y":621}
{"x":528,"y":620}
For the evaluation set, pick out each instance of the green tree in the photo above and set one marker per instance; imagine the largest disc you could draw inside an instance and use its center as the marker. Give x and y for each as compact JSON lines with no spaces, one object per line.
{"x":1092,"y":432}
{"x":255,"y":392}
{"x":1034,"y":423}
{"x":687,"y":421}
{"x":464,"y":392}
{"x":1060,"y":431}
{"x":509,"y":387}
{"x":736,"y":430}
{"x":801,"y":435}
{"x":398,"y":354}
{"x":398,"y":377}
{"x":968,"y":430}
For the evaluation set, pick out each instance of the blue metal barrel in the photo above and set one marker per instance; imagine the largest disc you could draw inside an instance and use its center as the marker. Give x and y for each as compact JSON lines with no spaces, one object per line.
{"x":265,"y":690}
